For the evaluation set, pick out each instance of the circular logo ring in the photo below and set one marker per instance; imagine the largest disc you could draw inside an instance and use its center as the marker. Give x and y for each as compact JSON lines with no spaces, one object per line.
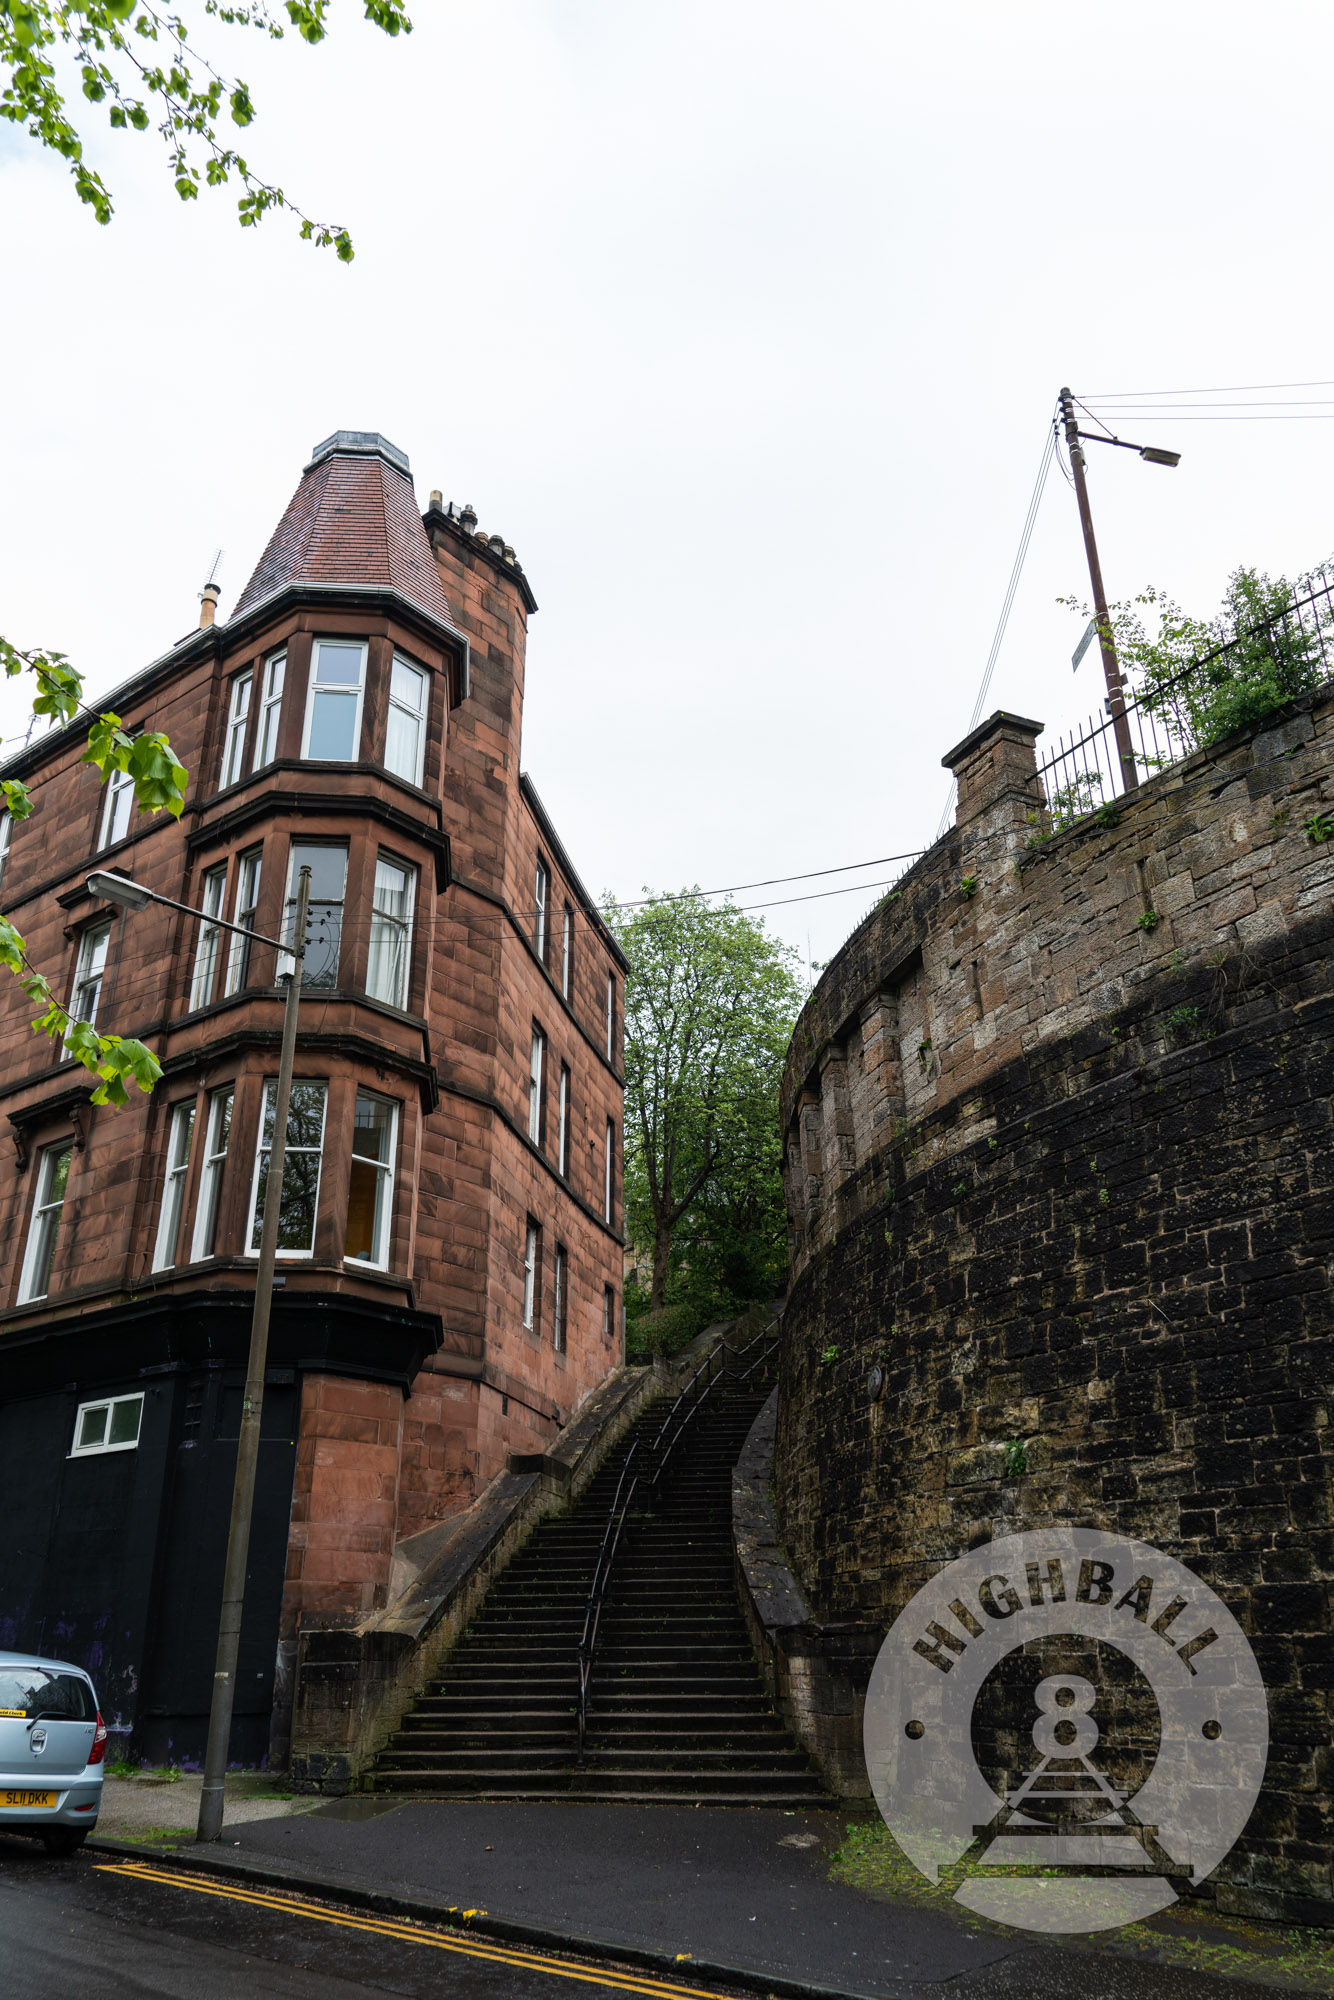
{"x":1065,"y":1848}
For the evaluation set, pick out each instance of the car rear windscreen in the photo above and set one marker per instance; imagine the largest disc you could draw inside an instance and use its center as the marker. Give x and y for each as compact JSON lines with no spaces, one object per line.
{"x":32,"y":1692}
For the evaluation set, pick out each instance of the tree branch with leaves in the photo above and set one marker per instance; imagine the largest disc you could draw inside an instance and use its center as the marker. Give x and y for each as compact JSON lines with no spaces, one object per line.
{"x":145,"y":67}
{"x":159,"y":782}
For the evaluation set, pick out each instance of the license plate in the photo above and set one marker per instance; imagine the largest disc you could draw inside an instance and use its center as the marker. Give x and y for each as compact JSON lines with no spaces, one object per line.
{"x":28,"y":1798}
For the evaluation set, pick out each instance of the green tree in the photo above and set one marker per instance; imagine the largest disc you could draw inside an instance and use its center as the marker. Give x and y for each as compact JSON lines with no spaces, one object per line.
{"x":144,"y":66}
{"x":710,"y":1003}
{"x":159,"y":786}
{"x":1206,"y":677}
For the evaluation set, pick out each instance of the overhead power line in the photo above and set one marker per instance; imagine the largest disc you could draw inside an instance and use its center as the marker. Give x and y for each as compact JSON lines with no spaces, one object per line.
{"x":1030,"y":521}
{"x":1214,"y":389}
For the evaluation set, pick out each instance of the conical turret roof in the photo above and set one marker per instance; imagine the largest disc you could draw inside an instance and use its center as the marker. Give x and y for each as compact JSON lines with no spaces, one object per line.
{"x":352,"y":520}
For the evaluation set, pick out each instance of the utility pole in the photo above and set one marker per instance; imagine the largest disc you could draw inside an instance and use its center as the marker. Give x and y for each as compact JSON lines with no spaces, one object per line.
{"x":1116,"y":700}
{"x":247,"y":1449}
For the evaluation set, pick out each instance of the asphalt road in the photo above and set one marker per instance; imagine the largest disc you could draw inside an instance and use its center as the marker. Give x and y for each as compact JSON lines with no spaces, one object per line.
{"x":92,"y":1928}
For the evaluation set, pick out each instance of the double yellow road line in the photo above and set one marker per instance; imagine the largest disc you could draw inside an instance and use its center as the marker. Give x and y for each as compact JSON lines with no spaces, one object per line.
{"x":404,"y":1932}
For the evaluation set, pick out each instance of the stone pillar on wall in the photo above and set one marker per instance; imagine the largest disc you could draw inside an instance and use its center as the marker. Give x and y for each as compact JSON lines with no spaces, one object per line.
{"x":995,"y":768}
{"x":838,"y":1146}
{"x":877,"y":1088}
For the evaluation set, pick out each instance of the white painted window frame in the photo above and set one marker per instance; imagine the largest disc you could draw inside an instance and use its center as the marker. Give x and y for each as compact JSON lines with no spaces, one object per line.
{"x":207,"y":1201}
{"x":249,"y":872}
{"x":384,"y":1199}
{"x":120,"y":790}
{"x":107,"y":1403}
{"x":271,"y":1086}
{"x":270,"y":711}
{"x":42,"y":1206}
{"x":238,"y":718}
{"x":341,"y":692}
{"x":175,"y":1181}
{"x":532,"y":1250}
{"x":400,"y":1000}
{"x":536,"y":1062}
{"x":419,"y":715}
{"x":208,"y":948}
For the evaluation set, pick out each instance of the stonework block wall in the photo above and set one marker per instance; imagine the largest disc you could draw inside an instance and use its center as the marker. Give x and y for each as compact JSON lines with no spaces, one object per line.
{"x":1104,"y":1228}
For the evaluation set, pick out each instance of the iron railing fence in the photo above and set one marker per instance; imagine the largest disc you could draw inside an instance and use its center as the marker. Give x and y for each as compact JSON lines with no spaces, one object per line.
{"x":643,"y":1473}
{"x":1167,"y":722}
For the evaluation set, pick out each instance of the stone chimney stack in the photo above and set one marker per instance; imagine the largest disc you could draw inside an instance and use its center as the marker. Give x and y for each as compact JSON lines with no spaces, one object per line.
{"x":208,"y":604}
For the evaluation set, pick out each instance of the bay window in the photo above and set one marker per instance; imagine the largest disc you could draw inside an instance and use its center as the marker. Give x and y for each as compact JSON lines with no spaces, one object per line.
{"x":238,"y":715}
{"x":270,"y":711}
{"x":391,"y":932}
{"x":333,"y":701}
{"x":173,"y":1190}
{"x":208,"y":949}
{"x":216,"y":1134}
{"x":370,"y":1191}
{"x":301,"y":1169}
{"x":53,"y":1164}
{"x":405,"y":731}
{"x":324,"y":925}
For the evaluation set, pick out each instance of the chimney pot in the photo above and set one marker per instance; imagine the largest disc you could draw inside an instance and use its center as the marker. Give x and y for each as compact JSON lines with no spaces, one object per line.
{"x":468,"y":518}
{"x":437,"y":497}
{"x":208,"y":604}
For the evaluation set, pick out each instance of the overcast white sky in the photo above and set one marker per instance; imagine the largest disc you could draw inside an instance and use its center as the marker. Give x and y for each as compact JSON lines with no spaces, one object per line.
{"x":743,"y":323}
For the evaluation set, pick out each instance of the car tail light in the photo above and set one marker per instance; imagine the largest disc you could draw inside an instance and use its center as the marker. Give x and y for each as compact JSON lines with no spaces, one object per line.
{"x":99,"y":1749}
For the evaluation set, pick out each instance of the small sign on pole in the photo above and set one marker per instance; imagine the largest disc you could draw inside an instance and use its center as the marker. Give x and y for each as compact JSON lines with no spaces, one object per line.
{"x":1084,"y":644}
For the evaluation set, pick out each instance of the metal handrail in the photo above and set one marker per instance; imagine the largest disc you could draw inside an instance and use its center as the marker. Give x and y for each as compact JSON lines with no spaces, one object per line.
{"x":718,"y":1364}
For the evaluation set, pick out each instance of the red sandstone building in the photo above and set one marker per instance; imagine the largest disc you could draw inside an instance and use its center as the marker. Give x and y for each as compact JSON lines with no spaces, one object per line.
{"x":451,"y":1255}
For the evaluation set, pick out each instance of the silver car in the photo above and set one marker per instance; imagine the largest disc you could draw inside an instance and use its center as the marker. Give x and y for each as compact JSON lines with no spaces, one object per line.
{"x":52,"y":1743}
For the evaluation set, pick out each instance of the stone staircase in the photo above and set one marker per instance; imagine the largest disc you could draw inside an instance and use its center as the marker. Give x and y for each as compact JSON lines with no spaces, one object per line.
{"x":678,"y":1711}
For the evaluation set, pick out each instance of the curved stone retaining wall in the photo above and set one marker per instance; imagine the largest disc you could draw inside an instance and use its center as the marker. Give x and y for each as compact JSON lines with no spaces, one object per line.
{"x":1060,"y":1167}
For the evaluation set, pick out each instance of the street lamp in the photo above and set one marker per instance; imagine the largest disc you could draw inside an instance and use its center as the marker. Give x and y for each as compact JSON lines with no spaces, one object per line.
{"x":132,"y":896}
{"x":1152,"y":455}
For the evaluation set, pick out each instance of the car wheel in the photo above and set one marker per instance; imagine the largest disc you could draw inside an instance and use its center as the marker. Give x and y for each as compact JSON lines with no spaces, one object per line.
{"x":64,"y":1840}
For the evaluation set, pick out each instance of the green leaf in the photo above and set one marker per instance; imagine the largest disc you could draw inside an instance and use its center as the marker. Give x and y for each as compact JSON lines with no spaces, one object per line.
{"x":17,"y":802}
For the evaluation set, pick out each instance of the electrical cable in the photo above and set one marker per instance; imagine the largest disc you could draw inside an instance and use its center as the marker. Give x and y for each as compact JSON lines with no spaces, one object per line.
{"x":1215,"y":389}
{"x":1030,"y":521}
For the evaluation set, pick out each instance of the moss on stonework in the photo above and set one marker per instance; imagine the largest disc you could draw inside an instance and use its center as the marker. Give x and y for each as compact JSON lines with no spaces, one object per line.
{"x":1188,"y":1935}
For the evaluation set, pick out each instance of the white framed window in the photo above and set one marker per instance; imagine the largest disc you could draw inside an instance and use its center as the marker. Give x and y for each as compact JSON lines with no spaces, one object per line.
{"x":301,"y":1169}
{"x":391,"y":932}
{"x":333,"y":702}
{"x":532,"y":1253}
{"x":566,"y":950}
{"x":270,"y":711}
{"x":216,"y":1135}
{"x":608,"y":1312}
{"x":112,"y":1425}
{"x":371,"y":1189}
{"x":89,"y":972}
{"x":560,"y":1299}
{"x":208,"y":950}
{"x":247,"y":901}
{"x":324,"y":922}
{"x":609,"y":1174}
{"x":117,"y":808}
{"x":405,"y":731}
{"x":6,"y":835}
{"x":238,"y":715}
{"x":53,"y":1164}
{"x":541,"y":898}
{"x":563,"y":1133}
{"x":536,"y":1060}
{"x":611,"y":1017}
{"x":173,"y":1188}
